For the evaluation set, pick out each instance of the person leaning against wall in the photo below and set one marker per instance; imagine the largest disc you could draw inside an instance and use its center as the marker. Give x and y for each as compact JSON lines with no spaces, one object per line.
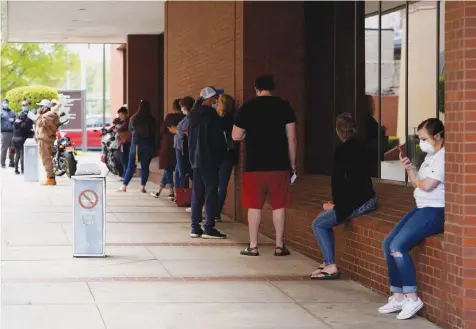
{"x":353,"y":194}
{"x":427,"y":219}
{"x":267,"y":124}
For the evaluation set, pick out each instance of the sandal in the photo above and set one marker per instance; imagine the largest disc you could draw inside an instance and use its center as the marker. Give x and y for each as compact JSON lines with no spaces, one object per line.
{"x":318,"y":271}
{"x":281,"y":251}
{"x":248,"y":251}
{"x":326,"y":276}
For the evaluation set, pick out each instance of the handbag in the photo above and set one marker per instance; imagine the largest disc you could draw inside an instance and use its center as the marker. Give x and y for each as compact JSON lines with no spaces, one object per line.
{"x":183,"y":196}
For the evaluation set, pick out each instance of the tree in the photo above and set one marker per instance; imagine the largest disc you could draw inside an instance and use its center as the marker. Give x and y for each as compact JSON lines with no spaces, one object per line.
{"x":33,"y":94}
{"x":24,"y":64}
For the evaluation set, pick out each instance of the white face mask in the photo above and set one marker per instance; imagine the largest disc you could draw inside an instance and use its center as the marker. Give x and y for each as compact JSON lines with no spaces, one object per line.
{"x":426,"y":147}
{"x":215,"y":105}
{"x":184,"y":111}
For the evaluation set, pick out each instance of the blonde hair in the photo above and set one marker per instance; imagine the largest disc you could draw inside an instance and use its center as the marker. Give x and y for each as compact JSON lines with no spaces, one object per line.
{"x":345,"y":126}
{"x":226,"y":104}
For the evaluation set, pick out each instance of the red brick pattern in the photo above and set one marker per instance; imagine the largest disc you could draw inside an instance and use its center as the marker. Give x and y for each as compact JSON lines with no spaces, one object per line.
{"x":460,"y":228}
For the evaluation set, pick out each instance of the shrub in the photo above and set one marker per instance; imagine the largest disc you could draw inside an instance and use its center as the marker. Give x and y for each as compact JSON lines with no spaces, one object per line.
{"x":393,"y":141}
{"x":33,"y":94}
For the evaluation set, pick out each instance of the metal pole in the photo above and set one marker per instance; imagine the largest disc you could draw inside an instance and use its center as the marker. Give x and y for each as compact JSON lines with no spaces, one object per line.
{"x":438,"y":13}
{"x":104,"y":85}
{"x":379,"y":87}
{"x":407,"y":19}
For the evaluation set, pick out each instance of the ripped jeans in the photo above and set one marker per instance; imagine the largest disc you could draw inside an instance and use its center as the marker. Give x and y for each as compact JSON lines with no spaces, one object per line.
{"x":413,"y":228}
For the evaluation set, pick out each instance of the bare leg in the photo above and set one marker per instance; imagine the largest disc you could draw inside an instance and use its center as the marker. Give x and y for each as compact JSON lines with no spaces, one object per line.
{"x":254,"y":219}
{"x":279,"y":219}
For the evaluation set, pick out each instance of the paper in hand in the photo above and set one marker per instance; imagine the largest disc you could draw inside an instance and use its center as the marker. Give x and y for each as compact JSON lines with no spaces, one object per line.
{"x":31,"y":116}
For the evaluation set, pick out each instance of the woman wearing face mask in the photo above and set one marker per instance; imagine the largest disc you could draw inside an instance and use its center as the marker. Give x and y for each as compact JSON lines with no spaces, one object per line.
{"x":167,"y":160}
{"x":182,"y":170}
{"x":425,"y":220}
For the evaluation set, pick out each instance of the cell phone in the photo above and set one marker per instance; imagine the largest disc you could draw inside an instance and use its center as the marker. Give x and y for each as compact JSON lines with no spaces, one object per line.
{"x":401,"y":148}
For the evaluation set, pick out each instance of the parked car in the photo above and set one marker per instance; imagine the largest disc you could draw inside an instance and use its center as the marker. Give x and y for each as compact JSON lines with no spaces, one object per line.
{"x":94,"y":124}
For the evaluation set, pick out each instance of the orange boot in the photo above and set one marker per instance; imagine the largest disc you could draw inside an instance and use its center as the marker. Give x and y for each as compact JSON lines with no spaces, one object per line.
{"x":49,"y":182}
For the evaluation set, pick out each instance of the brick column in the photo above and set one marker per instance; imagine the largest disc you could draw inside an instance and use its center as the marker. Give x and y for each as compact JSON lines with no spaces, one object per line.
{"x":145,"y":72}
{"x":460,"y":118}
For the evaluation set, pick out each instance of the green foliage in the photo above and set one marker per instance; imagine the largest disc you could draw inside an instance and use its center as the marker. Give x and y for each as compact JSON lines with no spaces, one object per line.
{"x":442,"y":94}
{"x":393,"y":141}
{"x":94,"y":76}
{"x":24,"y":64}
{"x":33,"y":94}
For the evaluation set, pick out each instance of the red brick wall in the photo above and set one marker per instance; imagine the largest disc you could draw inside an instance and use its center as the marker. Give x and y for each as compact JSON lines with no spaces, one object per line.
{"x":389,"y":113}
{"x":117,"y":78}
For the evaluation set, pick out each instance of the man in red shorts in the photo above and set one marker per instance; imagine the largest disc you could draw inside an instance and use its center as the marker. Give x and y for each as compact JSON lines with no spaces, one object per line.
{"x":268,"y":125}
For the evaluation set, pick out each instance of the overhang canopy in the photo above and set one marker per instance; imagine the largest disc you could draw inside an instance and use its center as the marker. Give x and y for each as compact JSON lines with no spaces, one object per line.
{"x":105,"y":21}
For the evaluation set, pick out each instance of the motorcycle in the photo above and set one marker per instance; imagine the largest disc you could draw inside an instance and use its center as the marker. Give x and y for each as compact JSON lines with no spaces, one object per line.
{"x":64,"y":161}
{"x":110,"y":155}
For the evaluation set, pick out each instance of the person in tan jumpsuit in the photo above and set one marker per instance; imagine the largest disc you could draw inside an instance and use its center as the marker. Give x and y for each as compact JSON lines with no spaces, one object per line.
{"x":46,"y":125}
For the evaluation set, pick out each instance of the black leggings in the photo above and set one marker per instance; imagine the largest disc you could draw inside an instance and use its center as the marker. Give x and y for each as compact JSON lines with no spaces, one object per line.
{"x":18,"y":145}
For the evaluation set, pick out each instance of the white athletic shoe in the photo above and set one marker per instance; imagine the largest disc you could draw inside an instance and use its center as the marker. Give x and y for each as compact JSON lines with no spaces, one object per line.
{"x":410,"y":308}
{"x":392,"y":306}
{"x":188,"y":209}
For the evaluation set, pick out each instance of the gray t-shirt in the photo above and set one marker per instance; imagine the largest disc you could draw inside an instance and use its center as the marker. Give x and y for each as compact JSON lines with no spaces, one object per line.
{"x":182,"y":130}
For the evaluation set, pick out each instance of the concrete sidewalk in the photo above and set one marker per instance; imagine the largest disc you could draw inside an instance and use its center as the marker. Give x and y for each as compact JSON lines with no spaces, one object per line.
{"x":155,"y":276}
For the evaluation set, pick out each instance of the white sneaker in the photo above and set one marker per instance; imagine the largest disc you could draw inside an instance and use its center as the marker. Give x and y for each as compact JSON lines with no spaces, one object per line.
{"x":188,"y":209}
{"x":392,"y":306}
{"x":410,"y":308}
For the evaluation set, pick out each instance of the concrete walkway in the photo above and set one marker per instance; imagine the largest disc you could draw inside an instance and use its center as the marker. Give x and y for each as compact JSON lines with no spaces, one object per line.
{"x":155,"y":276}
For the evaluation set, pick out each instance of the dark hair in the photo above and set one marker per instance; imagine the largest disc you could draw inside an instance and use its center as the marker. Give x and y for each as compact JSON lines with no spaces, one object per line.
{"x":265,"y":82}
{"x":345,"y":126}
{"x":23,"y":116}
{"x":176,"y":105}
{"x":123,"y":109}
{"x":143,"y":122}
{"x":187,"y":102}
{"x":434,"y":127}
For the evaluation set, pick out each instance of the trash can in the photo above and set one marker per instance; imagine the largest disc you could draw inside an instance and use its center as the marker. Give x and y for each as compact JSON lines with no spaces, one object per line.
{"x":89,"y":207}
{"x":30,"y":161}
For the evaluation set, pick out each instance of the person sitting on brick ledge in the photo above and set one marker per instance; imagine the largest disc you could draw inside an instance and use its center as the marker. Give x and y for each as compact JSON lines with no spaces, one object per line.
{"x":427,"y":219}
{"x":353,"y":194}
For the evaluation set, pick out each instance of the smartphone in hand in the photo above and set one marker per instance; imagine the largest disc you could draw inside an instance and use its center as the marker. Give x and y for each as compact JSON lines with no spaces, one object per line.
{"x":401,"y":148}
{"x":293,"y":177}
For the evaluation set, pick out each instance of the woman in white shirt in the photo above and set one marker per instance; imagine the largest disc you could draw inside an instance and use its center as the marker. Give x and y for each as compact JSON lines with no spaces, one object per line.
{"x":425,"y":220}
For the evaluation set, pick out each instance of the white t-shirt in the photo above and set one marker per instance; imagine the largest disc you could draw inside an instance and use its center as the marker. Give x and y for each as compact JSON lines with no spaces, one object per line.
{"x":432,"y":167}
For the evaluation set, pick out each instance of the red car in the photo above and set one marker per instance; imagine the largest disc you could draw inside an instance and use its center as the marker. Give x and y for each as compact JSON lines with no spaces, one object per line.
{"x":93,"y":133}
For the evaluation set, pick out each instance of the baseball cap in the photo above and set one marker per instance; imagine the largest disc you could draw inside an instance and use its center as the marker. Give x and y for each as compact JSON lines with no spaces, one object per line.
{"x":54,"y":101}
{"x":209,"y":92}
{"x":45,"y":103}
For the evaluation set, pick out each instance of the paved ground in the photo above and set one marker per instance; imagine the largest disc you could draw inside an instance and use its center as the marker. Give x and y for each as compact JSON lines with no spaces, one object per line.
{"x":155,"y":276}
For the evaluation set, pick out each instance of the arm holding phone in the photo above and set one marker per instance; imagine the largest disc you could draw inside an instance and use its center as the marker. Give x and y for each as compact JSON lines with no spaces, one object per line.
{"x":427,"y":184}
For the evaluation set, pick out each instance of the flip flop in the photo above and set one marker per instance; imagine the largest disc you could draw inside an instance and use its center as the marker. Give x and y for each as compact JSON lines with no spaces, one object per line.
{"x":320,"y":268}
{"x":326,"y":276}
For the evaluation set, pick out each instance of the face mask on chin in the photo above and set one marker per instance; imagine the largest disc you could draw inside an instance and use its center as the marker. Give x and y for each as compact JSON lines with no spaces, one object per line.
{"x":426,"y":147}
{"x":184,"y":111}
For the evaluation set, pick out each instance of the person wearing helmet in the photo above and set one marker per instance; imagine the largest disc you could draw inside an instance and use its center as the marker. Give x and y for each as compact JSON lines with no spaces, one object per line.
{"x":46,"y":125}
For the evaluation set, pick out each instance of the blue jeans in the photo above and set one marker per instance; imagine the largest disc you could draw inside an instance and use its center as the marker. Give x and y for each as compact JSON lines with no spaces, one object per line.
{"x":181,"y":179}
{"x":413,"y":228}
{"x":204,"y":191}
{"x":146,"y":153}
{"x":226,"y":169}
{"x":323,"y":224}
{"x":167,"y":178}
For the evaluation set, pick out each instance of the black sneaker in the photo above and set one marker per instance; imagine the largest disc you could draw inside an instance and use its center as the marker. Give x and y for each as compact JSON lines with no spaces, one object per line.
{"x":196,"y":233}
{"x":217,"y":219}
{"x":11,"y":165}
{"x":213,"y":234}
{"x":17,"y":172}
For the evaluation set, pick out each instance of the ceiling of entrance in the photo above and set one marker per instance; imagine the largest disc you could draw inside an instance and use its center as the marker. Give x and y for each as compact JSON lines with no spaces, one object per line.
{"x":106,"y":21}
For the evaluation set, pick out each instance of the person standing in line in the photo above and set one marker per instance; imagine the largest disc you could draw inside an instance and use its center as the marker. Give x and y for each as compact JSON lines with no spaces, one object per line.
{"x":124,"y":137}
{"x":226,"y":111}
{"x":268,"y":125}
{"x":207,"y":148}
{"x":144,"y":132}
{"x":182,"y":170}
{"x":353,"y":194}
{"x":22,"y":129}
{"x":46,"y":125}
{"x":427,"y":219}
{"x":167,"y":159}
{"x":7,"y":119}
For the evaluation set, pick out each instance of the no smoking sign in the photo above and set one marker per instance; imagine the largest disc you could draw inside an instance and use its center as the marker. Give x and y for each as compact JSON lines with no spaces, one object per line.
{"x":88,"y":199}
